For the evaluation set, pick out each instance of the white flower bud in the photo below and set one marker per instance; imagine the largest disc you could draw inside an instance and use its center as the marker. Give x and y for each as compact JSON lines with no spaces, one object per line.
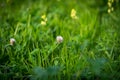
{"x":12,"y":41}
{"x":59,"y":39}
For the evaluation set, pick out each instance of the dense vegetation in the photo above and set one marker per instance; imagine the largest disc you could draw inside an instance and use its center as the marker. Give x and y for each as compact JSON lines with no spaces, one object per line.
{"x":90,"y":49}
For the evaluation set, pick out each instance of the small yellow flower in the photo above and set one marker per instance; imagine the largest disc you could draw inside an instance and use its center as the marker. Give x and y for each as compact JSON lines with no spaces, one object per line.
{"x":73,"y":14}
{"x":43,"y":16}
{"x":44,"y":19}
{"x":43,"y":23}
{"x":112,"y":1}
{"x":109,"y":4}
{"x":109,"y":11}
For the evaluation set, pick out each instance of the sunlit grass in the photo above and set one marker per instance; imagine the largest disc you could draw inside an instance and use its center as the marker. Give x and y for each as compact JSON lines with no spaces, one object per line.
{"x":59,"y":41}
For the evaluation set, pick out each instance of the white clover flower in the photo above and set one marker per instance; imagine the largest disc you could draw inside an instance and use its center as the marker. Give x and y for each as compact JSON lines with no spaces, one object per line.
{"x":59,"y":39}
{"x":12,"y":41}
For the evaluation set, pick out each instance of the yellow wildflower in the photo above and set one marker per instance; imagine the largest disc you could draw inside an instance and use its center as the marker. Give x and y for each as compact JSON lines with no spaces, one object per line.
{"x":112,"y":0}
{"x":44,"y":19}
{"x":43,"y":22}
{"x":109,"y":4}
{"x":109,"y":11}
{"x":73,"y":14}
{"x":43,"y":16}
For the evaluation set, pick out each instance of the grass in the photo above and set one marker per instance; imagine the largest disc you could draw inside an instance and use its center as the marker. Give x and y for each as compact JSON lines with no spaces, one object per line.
{"x":90,"y":49}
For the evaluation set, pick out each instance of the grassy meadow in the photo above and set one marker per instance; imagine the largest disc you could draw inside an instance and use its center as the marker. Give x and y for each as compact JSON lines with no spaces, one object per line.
{"x":90,"y":49}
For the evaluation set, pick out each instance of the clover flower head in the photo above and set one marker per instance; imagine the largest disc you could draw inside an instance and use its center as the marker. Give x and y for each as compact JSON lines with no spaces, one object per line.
{"x":59,"y":39}
{"x":12,"y":41}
